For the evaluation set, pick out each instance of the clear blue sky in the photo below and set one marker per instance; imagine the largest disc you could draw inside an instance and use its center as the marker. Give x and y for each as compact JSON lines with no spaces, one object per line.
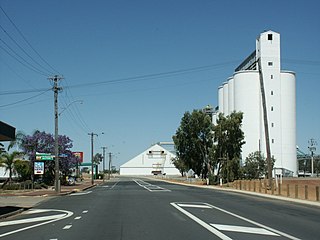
{"x":94,"y":44}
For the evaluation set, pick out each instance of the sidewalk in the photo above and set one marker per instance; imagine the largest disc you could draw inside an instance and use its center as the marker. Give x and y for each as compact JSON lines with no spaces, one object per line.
{"x":12,"y":202}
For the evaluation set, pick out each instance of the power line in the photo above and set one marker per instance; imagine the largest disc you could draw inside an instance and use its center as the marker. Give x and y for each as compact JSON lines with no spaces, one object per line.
{"x":25,"y":63}
{"x":154,"y":75}
{"x":23,"y":91}
{"x":25,"y":52}
{"x":23,"y":100}
{"x":29,"y":44}
{"x":133,"y":79}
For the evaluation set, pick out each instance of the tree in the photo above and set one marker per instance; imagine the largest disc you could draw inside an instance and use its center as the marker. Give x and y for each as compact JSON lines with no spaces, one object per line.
{"x":193,"y":140}
{"x":17,"y":140}
{"x":256,"y":165}
{"x":8,"y":161}
{"x":96,"y":161}
{"x":44,"y":143}
{"x":228,"y":138}
{"x":23,"y":169}
{"x":180,"y":165}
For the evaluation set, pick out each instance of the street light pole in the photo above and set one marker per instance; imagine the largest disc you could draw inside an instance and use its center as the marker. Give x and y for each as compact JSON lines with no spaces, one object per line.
{"x":92,"y":134}
{"x":92,"y":157}
{"x":104,"y":158}
{"x":110,"y":154}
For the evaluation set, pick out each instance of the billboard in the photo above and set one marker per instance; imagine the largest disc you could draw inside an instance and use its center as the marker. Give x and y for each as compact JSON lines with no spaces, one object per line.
{"x":38,"y":168}
{"x":79,"y":155}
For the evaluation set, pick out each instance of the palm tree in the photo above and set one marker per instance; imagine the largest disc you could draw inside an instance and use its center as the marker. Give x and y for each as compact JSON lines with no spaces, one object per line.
{"x":7,"y":160}
{"x":17,"y":140}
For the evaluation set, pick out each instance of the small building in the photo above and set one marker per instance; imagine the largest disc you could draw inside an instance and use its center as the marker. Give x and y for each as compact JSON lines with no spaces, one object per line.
{"x":153,"y":161}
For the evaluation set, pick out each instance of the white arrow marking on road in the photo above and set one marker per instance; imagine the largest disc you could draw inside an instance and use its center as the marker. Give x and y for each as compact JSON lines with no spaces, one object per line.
{"x":253,"y":230}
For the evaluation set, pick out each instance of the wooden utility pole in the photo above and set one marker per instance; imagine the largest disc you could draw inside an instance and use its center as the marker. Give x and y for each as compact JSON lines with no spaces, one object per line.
{"x":266,"y":126}
{"x":92,"y":176}
{"x":56,"y":90}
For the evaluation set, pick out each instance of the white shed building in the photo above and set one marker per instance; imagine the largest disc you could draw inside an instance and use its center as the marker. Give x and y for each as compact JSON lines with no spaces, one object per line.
{"x":154,"y":160}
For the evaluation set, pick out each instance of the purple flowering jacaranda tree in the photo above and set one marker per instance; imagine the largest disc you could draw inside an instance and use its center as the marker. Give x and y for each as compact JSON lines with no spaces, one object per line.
{"x":43,"y":142}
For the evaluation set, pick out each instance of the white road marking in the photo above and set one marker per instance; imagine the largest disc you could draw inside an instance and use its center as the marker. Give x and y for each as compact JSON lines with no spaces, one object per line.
{"x":150,"y":187}
{"x":253,"y":230}
{"x":114,"y":185}
{"x":80,"y":193}
{"x":33,"y":211}
{"x":202,"y":223}
{"x":77,"y":218}
{"x":194,"y":206}
{"x":67,"y":227}
{"x":85,"y":211}
{"x":65,"y":215}
{"x":255,"y":223}
{"x":30,"y":220}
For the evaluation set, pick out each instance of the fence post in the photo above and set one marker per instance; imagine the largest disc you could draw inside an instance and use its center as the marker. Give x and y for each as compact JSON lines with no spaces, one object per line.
{"x":306,"y":192}
{"x":265,"y":186}
{"x":254,"y":186}
{"x":279,"y":189}
{"x":260,"y":185}
{"x":317,"y":193}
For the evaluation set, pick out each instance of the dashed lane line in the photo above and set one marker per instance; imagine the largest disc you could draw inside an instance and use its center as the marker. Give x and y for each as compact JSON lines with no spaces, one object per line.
{"x":67,"y":227}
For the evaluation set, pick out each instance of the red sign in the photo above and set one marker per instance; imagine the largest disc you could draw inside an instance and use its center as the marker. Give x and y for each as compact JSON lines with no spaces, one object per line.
{"x":79,"y":155}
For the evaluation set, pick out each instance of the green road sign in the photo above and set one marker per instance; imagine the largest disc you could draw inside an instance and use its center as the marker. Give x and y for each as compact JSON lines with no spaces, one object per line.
{"x":44,"y":156}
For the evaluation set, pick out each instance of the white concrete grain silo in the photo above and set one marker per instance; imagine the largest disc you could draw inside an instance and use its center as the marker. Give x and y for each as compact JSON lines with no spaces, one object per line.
{"x":242,"y":93}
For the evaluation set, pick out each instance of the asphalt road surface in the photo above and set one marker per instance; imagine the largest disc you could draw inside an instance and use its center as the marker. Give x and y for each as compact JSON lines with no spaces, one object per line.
{"x":129,"y":208}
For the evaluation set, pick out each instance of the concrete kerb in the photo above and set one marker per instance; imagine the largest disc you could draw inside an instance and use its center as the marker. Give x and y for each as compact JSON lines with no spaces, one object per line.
{"x":294,"y":200}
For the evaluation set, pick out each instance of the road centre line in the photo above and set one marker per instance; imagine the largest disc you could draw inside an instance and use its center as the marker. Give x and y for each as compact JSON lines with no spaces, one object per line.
{"x":67,"y":227}
{"x":252,"y":230}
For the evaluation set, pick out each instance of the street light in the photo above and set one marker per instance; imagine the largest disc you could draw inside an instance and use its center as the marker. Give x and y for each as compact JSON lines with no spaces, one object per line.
{"x":79,"y":101}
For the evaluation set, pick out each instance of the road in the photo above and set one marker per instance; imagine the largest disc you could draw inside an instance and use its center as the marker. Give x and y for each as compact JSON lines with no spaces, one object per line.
{"x":137,"y":209}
